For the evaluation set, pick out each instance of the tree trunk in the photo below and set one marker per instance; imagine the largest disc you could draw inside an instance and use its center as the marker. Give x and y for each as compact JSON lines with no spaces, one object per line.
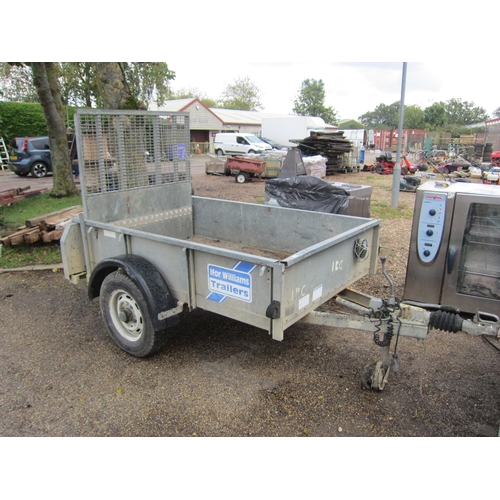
{"x":49,"y":94}
{"x":113,"y":87}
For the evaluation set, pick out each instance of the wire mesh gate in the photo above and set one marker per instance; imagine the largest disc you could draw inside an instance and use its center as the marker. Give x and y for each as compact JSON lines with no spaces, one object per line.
{"x":125,"y":150}
{"x":124,"y":155}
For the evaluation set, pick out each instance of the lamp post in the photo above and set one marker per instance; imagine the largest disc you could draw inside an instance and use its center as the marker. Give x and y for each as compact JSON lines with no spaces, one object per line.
{"x":397,"y":168}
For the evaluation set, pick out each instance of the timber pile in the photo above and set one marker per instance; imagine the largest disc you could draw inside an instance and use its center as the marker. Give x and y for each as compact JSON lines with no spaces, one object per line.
{"x":331,"y":145}
{"x":45,"y":228}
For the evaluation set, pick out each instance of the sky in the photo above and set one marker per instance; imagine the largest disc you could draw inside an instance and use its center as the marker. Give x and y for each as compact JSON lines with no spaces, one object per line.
{"x":352,"y":88}
{"x":354,"y":47}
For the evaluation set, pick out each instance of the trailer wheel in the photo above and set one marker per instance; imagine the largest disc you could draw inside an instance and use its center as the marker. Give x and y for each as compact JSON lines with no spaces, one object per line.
{"x":241,"y":178}
{"x":125,"y":314}
{"x":373,"y":376}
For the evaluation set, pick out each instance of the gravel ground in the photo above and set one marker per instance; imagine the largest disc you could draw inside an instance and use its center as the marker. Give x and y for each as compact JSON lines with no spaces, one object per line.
{"x":63,"y":376}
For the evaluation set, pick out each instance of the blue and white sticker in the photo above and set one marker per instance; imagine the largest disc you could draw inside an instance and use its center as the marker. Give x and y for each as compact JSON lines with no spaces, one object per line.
{"x":235,"y":283}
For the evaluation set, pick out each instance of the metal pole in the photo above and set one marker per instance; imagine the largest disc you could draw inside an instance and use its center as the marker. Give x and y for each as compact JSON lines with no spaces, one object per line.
{"x":397,"y":168}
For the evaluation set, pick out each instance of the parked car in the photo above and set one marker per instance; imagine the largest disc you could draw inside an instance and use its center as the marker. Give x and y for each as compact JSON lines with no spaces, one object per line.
{"x":273,"y":144}
{"x":30,"y":155}
{"x":234,"y":143}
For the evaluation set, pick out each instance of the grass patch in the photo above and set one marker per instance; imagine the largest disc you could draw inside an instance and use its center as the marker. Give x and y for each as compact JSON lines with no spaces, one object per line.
{"x":383,"y":211}
{"x":379,"y":181}
{"x":15,"y":215}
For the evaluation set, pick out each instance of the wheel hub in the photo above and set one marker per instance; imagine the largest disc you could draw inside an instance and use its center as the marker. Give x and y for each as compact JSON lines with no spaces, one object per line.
{"x":126,"y":315}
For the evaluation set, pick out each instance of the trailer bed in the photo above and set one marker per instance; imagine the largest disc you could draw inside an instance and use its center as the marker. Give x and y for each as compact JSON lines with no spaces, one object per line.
{"x":264,"y":265}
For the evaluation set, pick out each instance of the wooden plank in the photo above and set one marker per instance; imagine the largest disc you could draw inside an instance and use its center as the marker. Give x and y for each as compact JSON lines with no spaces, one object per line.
{"x":7,"y":240}
{"x":48,"y":236}
{"x":70,"y":212}
{"x":33,"y":222}
{"x":32,"y":237}
{"x":20,"y":236}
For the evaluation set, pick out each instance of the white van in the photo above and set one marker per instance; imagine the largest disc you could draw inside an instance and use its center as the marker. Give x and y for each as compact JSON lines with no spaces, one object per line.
{"x":233,"y":143}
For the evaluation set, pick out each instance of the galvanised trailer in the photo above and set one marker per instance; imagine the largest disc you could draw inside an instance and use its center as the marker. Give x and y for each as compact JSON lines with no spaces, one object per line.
{"x":149,"y":249}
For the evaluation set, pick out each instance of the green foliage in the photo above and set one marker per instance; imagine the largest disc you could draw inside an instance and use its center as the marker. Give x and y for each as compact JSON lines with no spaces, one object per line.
{"x":382,"y":117}
{"x":80,"y":86}
{"x":22,"y":119}
{"x":454,"y":113}
{"x":413,"y":117}
{"x":435,"y":115}
{"x":146,"y":80}
{"x":496,"y":113}
{"x":460,"y":112}
{"x":78,"y":83}
{"x":16,"y":83}
{"x":310,"y":101}
{"x":243,"y":94}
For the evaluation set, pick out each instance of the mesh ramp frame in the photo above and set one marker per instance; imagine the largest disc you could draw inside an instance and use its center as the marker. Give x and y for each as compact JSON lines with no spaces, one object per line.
{"x":132,"y":163}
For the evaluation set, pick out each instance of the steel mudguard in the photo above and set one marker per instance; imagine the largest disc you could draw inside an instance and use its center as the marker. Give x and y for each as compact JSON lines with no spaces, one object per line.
{"x":149,"y":280}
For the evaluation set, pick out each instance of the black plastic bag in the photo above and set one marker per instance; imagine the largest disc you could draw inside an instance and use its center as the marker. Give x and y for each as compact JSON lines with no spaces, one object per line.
{"x":305,"y":192}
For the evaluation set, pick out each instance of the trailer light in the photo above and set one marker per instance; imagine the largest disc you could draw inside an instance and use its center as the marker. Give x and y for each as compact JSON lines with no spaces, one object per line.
{"x":361,"y":249}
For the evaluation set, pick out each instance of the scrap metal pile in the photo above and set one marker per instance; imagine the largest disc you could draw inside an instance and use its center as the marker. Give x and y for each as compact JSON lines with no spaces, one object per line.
{"x":331,"y":145}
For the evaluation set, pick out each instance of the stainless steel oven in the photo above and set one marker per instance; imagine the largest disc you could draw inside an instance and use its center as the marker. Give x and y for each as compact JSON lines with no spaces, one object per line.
{"x":454,"y":255}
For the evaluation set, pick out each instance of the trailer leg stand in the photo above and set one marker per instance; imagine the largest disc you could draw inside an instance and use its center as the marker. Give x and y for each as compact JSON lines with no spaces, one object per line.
{"x":375,"y":375}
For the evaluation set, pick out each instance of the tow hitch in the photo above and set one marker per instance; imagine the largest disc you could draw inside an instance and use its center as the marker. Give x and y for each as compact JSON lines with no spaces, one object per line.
{"x":390,"y":319}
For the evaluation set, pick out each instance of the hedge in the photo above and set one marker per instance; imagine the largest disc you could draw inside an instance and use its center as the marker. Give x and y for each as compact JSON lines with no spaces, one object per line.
{"x":24,"y":119}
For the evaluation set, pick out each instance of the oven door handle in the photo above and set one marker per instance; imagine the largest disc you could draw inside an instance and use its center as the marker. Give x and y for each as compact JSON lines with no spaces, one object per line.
{"x":452,"y":253}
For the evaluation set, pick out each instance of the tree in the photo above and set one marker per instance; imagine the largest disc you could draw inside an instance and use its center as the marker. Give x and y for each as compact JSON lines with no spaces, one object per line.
{"x":460,"y":112}
{"x":16,"y":83}
{"x":243,"y":94}
{"x":310,"y":101}
{"x":383,"y":117}
{"x":413,"y":117}
{"x":45,"y":80}
{"x":496,"y":113}
{"x":112,"y":88}
{"x":387,"y":117}
{"x":147,"y":81}
{"x":90,"y":84}
{"x":78,"y":85}
{"x":435,"y":115}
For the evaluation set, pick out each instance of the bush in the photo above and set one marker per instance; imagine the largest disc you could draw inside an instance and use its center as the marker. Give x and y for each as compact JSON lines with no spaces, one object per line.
{"x":24,"y":119}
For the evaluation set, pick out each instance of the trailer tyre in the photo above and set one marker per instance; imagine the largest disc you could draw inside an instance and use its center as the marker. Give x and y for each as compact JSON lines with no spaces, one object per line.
{"x":125,"y":314}
{"x":241,"y":178}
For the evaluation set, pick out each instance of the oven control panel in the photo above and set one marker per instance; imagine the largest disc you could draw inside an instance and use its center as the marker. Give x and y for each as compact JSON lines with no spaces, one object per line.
{"x":430,"y":226}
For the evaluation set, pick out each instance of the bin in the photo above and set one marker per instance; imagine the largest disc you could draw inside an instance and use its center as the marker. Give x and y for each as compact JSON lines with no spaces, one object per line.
{"x":359,"y":198}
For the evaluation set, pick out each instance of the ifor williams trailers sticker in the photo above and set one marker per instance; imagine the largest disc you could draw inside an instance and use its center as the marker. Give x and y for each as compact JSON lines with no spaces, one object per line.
{"x":235,"y":283}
